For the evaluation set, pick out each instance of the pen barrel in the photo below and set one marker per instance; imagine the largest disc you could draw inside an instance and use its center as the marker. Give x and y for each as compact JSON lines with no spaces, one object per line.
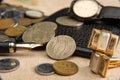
{"x":7,"y":47}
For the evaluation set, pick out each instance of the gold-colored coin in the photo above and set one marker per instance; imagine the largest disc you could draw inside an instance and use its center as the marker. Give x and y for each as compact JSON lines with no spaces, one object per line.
{"x":61,"y":47}
{"x":65,"y":68}
{"x":6,"y":23}
{"x":25,"y":21}
{"x":37,"y":20}
{"x":68,"y":21}
{"x":15,"y":31}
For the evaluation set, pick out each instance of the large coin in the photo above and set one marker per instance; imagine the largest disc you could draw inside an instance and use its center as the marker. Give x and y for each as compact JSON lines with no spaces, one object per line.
{"x":15,"y":31}
{"x":25,"y":21}
{"x":34,"y":14}
{"x":68,"y":21}
{"x":7,"y":65}
{"x":3,"y":38}
{"x":45,"y":69}
{"x":61,"y":47}
{"x":65,"y":68}
{"x":6,"y":23}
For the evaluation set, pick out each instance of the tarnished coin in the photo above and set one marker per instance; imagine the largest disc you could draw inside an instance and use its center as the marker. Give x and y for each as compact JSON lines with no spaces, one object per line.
{"x":15,"y":31}
{"x":6,"y":23}
{"x":65,"y":68}
{"x":13,"y":14}
{"x":45,"y":69}
{"x":3,"y":38}
{"x":68,"y":21}
{"x":61,"y":47}
{"x":34,"y":14}
{"x":8,"y":64}
{"x":25,"y":21}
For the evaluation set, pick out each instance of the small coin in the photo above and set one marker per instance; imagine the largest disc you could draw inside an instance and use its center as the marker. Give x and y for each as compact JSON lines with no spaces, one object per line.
{"x":25,"y":21}
{"x":61,"y":47}
{"x":15,"y":31}
{"x":68,"y":21}
{"x":45,"y":69}
{"x":37,"y":20}
{"x":6,"y":23}
{"x":8,"y":64}
{"x":13,"y":14}
{"x":65,"y":68}
{"x":3,"y":38}
{"x":34,"y":14}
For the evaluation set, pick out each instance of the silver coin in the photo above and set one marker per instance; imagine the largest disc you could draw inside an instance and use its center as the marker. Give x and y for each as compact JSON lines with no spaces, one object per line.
{"x":3,"y":38}
{"x":45,"y":69}
{"x":8,"y":64}
{"x":61,"y":47}
{"x":67,"y":21}
{"x":34,"y":14}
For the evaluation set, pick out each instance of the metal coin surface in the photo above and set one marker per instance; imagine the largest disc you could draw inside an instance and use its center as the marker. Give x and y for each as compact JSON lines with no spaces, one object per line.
{"x":13,"y":14}
{"x":67,"y":21}
{"x":61,"y":47}
{"x":8,"y":64}
{"x":34,"y":14}
{"x":25,"y":21}
{"x":45,"y":69}
{"x":6,"y":23}
{"x":65,"y":68}
{"x":3,"y":38}
{"x":37,"y":20}
{"x":15,"y":31}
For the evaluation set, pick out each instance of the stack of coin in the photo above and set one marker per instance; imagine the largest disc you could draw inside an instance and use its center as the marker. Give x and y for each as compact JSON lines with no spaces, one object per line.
{"x":40,"y":32}
{"x":65,"y":68}
{"x":61,"y":47}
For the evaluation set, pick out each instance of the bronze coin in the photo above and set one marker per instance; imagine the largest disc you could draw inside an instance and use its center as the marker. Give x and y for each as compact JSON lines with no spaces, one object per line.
{"x":37,"y":20}
{"x":67,"y":21}
{"x":61,"y":47}
{"x":24,"y":21}
{"x":65,"y":68}
{"x":15,"y":31}
{"x":6,"y":23}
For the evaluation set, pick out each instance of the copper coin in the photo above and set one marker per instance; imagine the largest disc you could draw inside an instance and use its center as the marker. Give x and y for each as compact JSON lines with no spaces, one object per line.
{"x":34,"y":14}
{"x":15,"y":31}
{"x":25,"y":21}
{"x":67,"y":21}
{"x":6,"y":23}
{"x":61,"y":47}
{"x":65,"y":68}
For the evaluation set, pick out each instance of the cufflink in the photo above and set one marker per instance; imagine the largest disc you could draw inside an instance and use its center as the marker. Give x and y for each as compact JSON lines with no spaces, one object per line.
{"x":103,"y":41}
{"x":100,"y":63}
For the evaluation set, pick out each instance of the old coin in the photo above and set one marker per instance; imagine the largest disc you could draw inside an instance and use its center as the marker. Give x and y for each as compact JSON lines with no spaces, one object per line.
{"x":34,"y":14}
{"x":61,"y":47}
{"x":65,"y":68}
{"x":3,"y":38}
{"x":8,"y":64}
{"x":68,"y":21}
{"x":45,"y":69}
{"x":25,"y":21}
{"x":15,"y":31}
{"x":6,"y":23}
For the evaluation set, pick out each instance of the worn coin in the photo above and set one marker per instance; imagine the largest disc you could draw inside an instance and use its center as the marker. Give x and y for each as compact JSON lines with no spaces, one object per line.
{"x":34,"y":14}
{"x":3,"y":38}
{"x":8,"y":64}
{"x":6,"y":23}
{"x":68,"y":21}
{"x":15,"y":31}
{"x":25,"y":21}
{"x":65,"y":68}
{"x":45,"y":69}
{"x":61,"y":47}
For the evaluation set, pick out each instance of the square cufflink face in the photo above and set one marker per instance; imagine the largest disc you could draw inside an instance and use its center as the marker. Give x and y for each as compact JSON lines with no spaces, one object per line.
{"x":99,"y":63}
{"x":103,"y":41}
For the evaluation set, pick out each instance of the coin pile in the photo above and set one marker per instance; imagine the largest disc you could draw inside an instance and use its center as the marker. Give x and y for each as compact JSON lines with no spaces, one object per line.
{"x":65,"y":68}
{"x":14,"y":20}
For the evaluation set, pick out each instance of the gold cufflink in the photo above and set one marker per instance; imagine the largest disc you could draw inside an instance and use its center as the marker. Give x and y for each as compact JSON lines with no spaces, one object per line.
{"x":103,"y":41}
{"x":100,"y":63}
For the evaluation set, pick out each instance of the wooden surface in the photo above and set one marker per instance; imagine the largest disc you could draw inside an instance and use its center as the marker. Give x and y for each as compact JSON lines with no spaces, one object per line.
{"x":30,"y":59}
